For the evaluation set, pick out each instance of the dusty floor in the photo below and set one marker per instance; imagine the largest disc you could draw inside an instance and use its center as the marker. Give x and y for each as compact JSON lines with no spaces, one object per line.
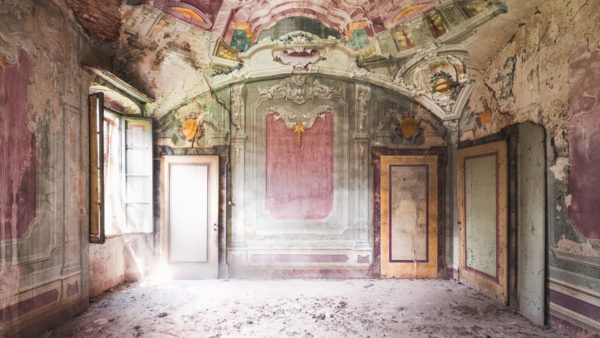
{"x":298,"y":308}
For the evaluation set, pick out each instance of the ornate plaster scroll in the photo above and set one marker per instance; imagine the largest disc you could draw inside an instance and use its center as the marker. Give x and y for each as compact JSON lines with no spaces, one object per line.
{"x":300,"y":89}
{"x":307,"y":120}
{"x":299,"y":57}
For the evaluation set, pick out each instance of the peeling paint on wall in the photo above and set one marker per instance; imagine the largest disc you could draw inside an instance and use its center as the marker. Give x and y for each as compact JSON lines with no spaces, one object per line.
{"x":554,"y":84}
{"x":559,"y":168}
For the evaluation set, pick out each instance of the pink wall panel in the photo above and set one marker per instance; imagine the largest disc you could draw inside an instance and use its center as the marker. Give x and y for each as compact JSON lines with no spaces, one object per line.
{"x":584,"y":141}
{"x":299,"y":180}
{"x":17,"y":147}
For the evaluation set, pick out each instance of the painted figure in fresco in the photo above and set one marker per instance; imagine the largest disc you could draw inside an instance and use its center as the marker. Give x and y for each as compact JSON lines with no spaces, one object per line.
{"x":240,"y":41}
{"x":359,"y":39}
{"x":436,"y":24}
{"x":404,"y":38}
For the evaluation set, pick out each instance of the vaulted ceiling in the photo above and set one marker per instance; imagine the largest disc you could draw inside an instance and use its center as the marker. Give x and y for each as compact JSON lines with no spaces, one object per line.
{"x":218,"y":16}
{"x":101,"y":19}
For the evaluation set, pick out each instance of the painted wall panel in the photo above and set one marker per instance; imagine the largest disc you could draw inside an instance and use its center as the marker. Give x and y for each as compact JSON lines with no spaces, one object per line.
{"x":17,"y":144}
{"x":584,"y":143}
{"x":480,"y":200}
{"x":408,"y":217}
{"x":43,"y":167}
{"x":299,"y":177}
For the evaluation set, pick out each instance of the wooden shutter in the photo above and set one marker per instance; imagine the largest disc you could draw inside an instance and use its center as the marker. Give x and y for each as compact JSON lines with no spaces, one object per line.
{"x":96,"y":120}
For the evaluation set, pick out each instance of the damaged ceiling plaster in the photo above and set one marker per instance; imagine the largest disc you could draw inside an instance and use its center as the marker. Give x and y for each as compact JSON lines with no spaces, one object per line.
{"x":412,"y":47}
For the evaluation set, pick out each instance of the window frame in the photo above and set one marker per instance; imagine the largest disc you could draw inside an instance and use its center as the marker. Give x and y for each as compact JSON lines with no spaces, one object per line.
{"x":97,"y":222}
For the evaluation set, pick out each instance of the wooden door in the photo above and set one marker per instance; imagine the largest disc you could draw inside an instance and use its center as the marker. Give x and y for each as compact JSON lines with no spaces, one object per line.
{"x":189,"y":238}
{"x":409,"y":200}
{"x":483,"y":206}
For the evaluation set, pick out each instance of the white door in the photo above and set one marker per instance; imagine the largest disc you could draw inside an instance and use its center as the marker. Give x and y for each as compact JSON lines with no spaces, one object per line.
{"x":189,"y":236}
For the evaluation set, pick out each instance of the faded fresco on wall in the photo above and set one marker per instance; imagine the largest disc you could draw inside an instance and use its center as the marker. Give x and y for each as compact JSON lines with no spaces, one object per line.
{"x":584,"y":141}
{"x":201,"y":122}
{"x":17,"y":143}
{"x":299,"y":168}
{"x":407,"y":125}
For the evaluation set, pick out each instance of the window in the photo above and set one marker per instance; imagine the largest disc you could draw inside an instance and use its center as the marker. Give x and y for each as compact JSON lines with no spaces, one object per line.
{"x":121,"y":178}
{"x":137,"y":174}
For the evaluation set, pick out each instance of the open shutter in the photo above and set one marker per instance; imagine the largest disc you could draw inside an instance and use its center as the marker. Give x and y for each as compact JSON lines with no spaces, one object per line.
{"x":96,"y":120}
{"x":138,"y":174}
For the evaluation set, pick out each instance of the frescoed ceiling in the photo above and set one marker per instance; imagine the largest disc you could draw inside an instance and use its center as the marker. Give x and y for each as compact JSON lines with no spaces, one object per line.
{"x":102,"y":19}
{"x":218,"y":16}
{"x":176,"y":50}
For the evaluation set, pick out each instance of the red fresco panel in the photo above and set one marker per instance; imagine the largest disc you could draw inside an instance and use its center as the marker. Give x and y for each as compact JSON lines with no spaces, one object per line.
{"x":584,"y":141}
{"x":299,"y":179}
{"x":17,"y":147}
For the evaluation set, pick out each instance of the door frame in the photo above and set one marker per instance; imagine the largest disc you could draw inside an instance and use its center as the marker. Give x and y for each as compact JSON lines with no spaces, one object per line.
{"x":441,"y":153}
{"x":212,"y":161}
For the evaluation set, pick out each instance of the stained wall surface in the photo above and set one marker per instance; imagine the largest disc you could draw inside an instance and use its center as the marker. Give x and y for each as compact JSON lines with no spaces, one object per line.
{"x":43,"y":172}
{"x":122,"y":258}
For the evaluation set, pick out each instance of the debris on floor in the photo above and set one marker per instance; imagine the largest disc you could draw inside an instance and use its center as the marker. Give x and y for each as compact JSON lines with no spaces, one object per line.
{"x":298,"y":308}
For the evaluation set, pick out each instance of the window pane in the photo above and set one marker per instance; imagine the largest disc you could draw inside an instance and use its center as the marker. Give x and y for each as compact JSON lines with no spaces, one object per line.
{"x":138,"y":217}
{"x":138,"y":175}
{"x":138,"y":189}
{"x":113,"y":201}
{"x":137,"y":162}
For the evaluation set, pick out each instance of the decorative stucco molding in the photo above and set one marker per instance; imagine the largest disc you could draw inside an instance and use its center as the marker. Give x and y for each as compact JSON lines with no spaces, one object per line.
{"x":307,"y":120}
{"x":299,"y":89}
{"x":438,"y":75}
{"x":363,"y":95}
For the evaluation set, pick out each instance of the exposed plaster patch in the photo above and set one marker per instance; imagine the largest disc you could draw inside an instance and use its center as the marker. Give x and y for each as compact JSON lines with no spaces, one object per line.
{"x":558,"y":169}
{"x":568,"y":200}
{"x":568,"y":246}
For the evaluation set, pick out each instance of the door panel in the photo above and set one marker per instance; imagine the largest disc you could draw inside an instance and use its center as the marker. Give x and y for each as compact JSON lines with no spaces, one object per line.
{"x":189,"y":236}
{"x":480,"y":241}
{"x":482,"y":203}
{"x":188,"y":213}
{"x":409,"y":216}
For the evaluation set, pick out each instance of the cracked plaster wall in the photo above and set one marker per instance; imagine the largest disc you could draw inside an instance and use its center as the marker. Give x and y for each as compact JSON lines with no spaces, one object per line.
{"x":536,"y":63}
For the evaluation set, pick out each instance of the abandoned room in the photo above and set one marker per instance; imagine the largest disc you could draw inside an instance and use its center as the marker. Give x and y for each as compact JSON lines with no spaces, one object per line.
{"x":299,"y":168}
